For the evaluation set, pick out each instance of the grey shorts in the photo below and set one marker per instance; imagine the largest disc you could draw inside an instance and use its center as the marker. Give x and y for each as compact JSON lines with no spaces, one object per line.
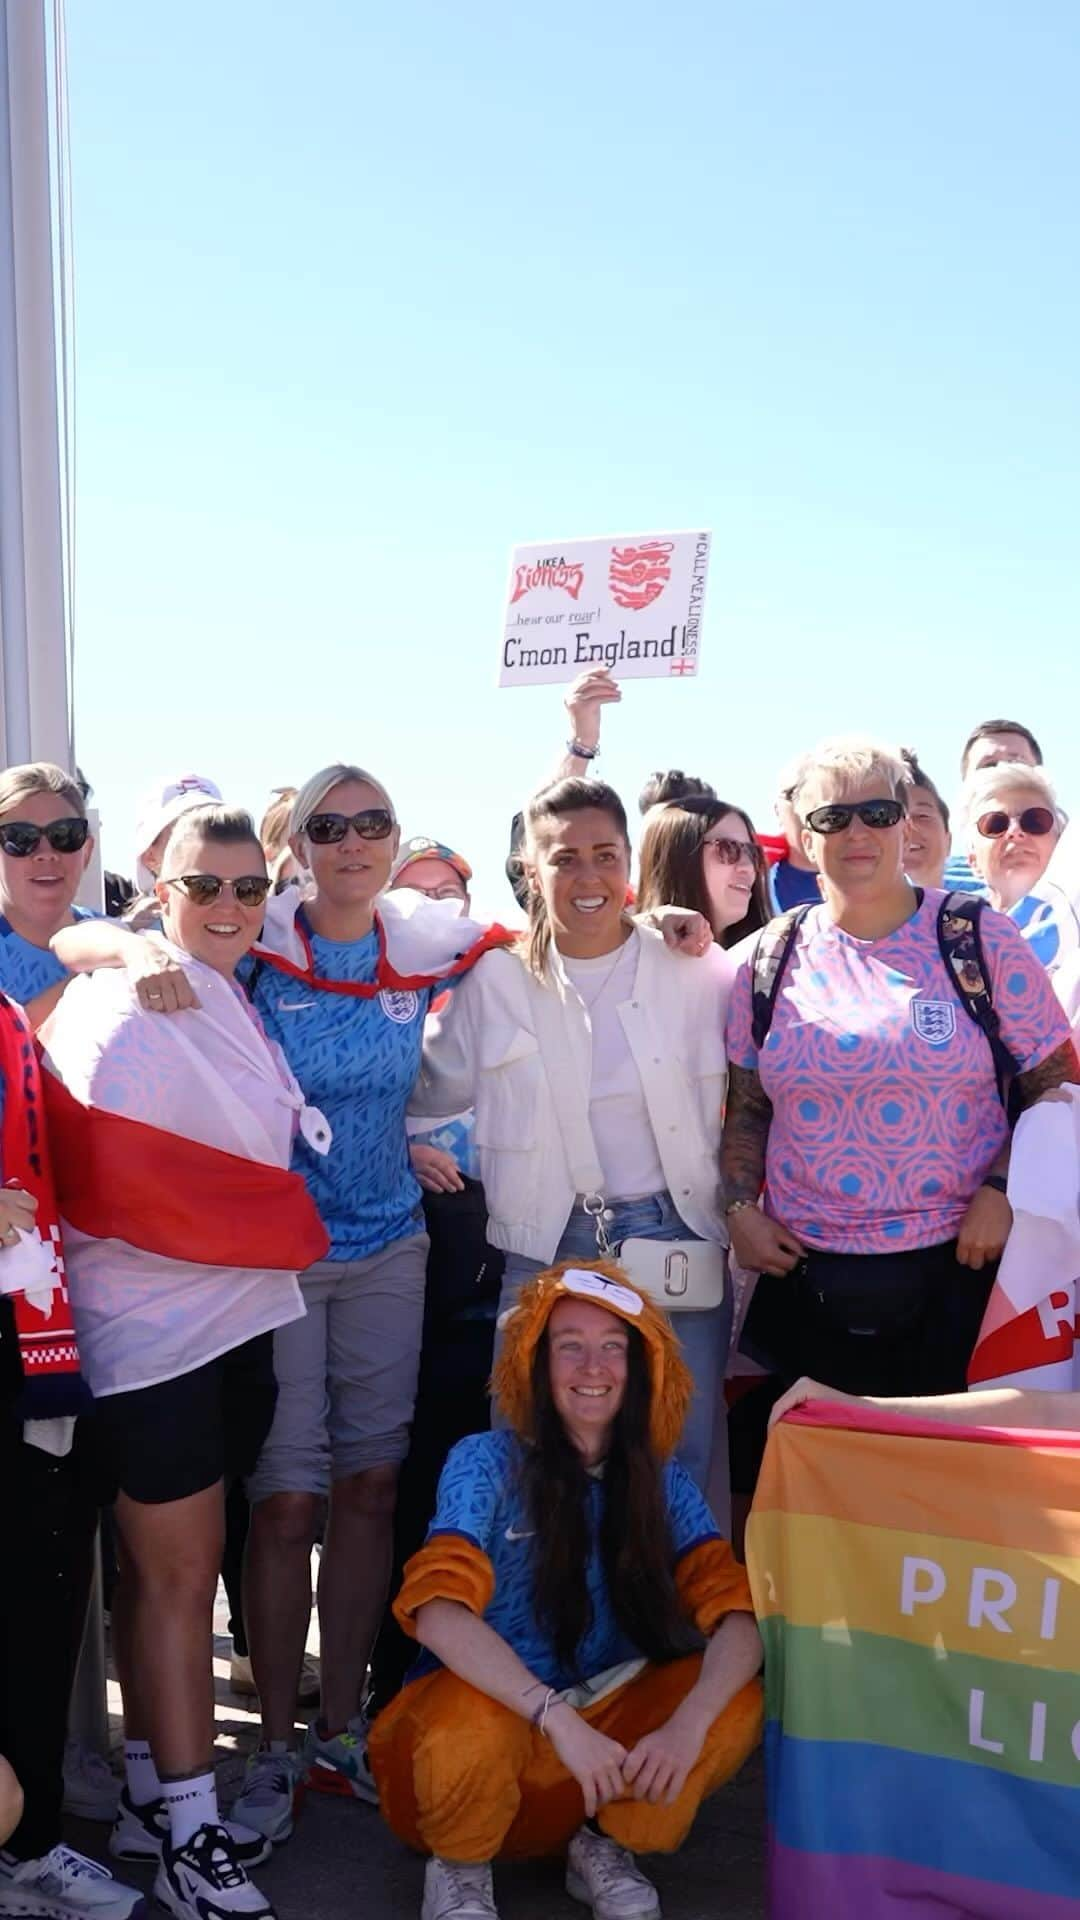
{"x":346,"y":1372}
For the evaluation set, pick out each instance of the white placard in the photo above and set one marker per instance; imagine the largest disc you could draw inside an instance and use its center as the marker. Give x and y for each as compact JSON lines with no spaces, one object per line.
{"x":631,"y":602}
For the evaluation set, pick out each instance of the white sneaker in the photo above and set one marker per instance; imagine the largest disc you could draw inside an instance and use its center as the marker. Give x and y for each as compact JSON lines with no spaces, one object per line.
{"x":270,"y":1797}
{"x":454,"y":1891}
{"x":91,"y":1788}
{"x":64,"y":1885}
{"x":606,"y":1878}
{"x":140,"y":1832}
{"x":203,"y":1880}
{"x":242,"y":1679}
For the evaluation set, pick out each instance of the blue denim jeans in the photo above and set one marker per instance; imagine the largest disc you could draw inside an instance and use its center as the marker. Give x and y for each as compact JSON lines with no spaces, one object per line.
{"x":704,"y":1336}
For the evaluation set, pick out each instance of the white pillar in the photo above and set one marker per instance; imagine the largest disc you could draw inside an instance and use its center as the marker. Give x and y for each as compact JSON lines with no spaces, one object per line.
{"x":35,"y":722}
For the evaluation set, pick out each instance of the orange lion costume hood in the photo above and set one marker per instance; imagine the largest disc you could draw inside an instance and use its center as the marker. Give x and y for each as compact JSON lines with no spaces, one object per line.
{"x":604,"y":1284}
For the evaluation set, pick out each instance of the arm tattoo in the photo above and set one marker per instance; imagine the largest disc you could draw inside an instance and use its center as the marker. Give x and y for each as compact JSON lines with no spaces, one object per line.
{"x":746,"y":1132}
{"x":1059,"y":1069}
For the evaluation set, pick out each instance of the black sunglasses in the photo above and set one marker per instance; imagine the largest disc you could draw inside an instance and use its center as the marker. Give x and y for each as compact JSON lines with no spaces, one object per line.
{"x":20,"y":837}
{"x":203,"y":889}
{"x":839,"y":814}
{"x":326,"y":829}
{"x":730,"y":852}
{"x":1038,"y":821}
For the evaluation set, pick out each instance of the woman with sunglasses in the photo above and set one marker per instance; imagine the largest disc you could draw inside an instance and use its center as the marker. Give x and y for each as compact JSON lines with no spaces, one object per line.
{"x":50,"y":1505}
{"x":344,"y":987}
{"x":45,"y":848}
{"x":870,"y":1111}
{"x":1013,"y":824}
{"x":703,"y":854}
{"x":184,"y":1233}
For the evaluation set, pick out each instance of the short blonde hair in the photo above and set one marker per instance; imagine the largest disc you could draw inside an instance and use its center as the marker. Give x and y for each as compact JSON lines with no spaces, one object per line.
{"x":850,"y":760}
{"x":984,"y":790}
{"x":314,"y":792}
{"x":40,"y":776}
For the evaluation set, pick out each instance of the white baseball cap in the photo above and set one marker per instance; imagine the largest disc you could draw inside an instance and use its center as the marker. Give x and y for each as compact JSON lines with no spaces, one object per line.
{"x":158,"y":808}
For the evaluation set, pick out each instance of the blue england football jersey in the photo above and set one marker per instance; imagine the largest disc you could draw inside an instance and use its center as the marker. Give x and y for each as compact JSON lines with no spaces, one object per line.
{"x":356,"y":1059}
{"x":26,"y":970}
{"x":480,"y":1496}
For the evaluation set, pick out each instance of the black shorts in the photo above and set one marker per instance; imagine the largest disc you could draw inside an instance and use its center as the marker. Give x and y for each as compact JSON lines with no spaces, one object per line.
{"x":166,"y":1442}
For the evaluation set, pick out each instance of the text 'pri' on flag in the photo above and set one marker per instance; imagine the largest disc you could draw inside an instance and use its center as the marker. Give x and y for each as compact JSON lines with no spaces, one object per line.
{"x":918,"y":1590}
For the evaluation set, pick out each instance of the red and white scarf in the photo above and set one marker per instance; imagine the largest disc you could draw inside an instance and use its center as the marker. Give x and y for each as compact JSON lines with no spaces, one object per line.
{"x":420,"y":943}
{"x":48,"y":1350}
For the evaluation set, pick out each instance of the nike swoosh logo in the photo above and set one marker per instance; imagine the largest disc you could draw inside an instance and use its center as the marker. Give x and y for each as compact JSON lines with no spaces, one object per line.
{"x":513,"y":1534}
{"x":293,"y":1006}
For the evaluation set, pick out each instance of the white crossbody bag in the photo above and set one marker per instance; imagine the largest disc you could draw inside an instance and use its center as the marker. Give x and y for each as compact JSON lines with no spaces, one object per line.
{"x":682,"y":1276}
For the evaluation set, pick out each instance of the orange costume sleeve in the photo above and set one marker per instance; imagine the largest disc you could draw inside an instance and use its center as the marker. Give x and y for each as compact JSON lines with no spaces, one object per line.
{"x":710,"y":1583}
{"x":449,"y":1567}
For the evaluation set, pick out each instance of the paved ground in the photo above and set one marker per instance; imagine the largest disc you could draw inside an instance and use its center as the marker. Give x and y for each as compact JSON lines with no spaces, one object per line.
{"x":343,"y":1864}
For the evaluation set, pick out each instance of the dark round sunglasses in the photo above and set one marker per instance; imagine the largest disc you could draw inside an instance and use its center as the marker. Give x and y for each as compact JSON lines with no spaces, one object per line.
{"x":1038,"y":821}
{"x":203,"y":889}
{"x":730,"y":852}
{"x":326,"y":829}
{"x":839,"y":814}
{"x":21,"y":837}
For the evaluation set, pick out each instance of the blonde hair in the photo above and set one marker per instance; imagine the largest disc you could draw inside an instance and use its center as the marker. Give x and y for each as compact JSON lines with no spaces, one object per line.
{"x":849,"y":760}
{"x":40,"y":776}
{"x":984,"y":790}
{"x":275,"y":823}
{"x":552,"y":803}
{"x":315,"y":790}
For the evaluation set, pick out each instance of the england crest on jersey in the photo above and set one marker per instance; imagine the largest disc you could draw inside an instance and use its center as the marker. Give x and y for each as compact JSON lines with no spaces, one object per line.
{"x":934,"y":1021}
{"x":399,"y":1005}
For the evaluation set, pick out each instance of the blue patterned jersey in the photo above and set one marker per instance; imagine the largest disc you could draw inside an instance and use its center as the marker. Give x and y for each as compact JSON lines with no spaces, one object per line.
{"x":480,"y":1497}
{"x":26,"y":970}
{"x":357,"y":1060}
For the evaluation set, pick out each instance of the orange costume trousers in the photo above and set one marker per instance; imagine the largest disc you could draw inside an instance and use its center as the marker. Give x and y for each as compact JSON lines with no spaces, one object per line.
{"x":463,"y":1777}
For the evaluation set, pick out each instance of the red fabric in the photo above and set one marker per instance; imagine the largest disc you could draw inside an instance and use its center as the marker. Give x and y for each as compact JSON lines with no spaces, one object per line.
{"x":774,"y":846}
{"x":1023,"y":1343}
{"x":387,"y":978}
{"x":864,"y":1419}
{"x":47,"y":1346}
{"x":120,"y":1179}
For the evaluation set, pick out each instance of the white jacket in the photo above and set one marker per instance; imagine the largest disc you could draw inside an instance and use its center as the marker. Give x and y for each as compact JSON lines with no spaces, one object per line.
{"x":484,"y":1052}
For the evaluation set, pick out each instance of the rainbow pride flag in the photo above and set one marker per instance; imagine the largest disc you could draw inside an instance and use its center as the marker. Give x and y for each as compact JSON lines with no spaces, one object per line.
{"x":918,"y":1589}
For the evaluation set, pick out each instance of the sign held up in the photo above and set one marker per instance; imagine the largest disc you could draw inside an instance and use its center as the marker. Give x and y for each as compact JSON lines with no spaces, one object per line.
{"x":632,"y":603}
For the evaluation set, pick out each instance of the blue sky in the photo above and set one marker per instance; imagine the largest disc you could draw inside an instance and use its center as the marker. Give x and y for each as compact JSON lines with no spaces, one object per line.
{"x":364,"y":296}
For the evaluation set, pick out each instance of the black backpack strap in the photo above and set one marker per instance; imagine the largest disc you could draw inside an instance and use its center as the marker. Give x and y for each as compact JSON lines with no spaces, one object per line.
{"x":772,"y":952}
{"x":960,"y":940}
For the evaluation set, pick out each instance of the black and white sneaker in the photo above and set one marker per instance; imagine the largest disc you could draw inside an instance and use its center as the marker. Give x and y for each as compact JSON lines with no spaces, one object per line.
{"x":204,"y":1880}
{"x":139,"y":1832}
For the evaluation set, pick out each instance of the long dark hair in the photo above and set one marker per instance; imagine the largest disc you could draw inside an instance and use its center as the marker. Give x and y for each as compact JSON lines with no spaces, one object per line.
{"x":552,"y":803}
{"x":635,"y":1541}
{"x":671,"y":863}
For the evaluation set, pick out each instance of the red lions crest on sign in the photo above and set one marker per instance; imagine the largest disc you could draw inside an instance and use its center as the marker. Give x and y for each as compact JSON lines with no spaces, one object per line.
{"x":638,"y":575}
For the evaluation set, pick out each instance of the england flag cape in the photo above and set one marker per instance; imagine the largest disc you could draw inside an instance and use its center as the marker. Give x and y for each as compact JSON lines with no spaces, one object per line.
{"x":173,"y":1132}
{"x":1029,"y":1331}
{"x":421,"y":943}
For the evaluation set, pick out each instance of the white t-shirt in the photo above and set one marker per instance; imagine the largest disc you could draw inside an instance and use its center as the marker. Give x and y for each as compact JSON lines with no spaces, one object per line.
{"x":619,"y":1118}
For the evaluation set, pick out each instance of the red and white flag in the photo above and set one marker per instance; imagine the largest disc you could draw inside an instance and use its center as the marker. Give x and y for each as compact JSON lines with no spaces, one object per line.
{"x":173,"y":1133}
{"x":1029,"y":1331}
